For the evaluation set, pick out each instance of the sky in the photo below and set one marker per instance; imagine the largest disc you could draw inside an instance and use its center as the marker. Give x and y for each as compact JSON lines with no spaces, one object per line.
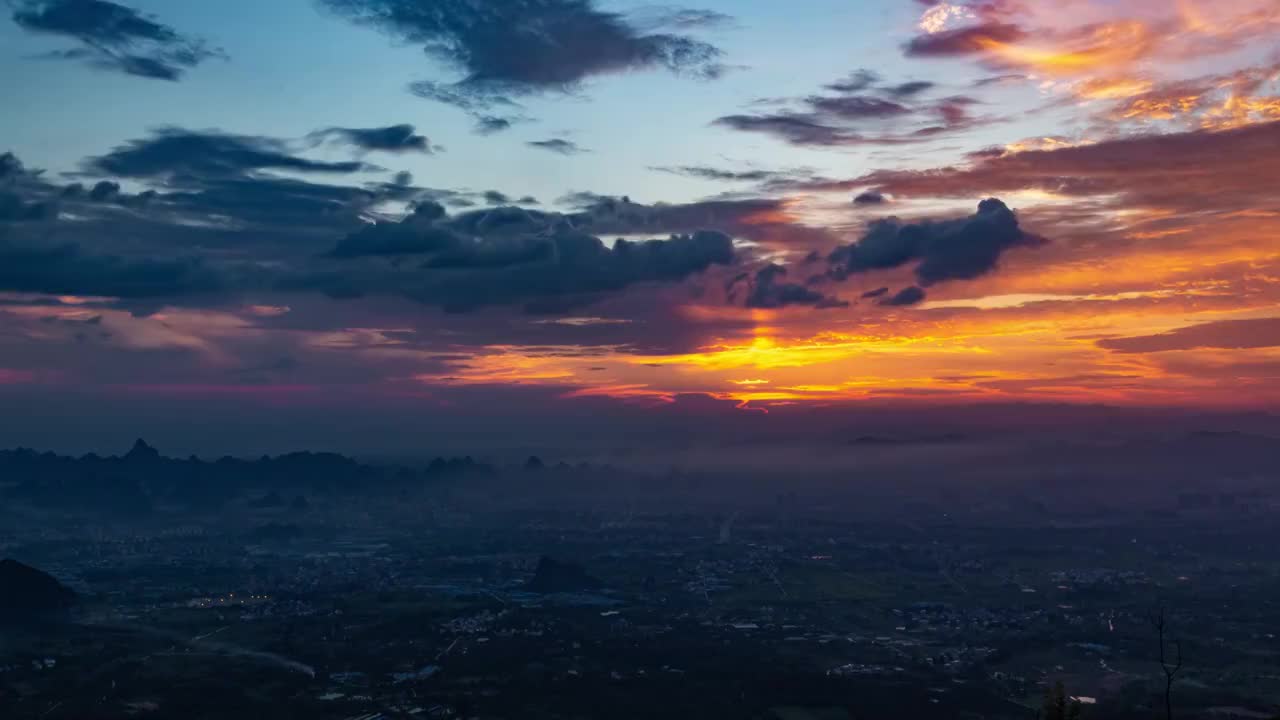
{"x":409,"y":224}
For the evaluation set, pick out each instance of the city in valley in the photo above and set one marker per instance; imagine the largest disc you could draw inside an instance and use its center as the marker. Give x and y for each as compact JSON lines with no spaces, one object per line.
{"x":313,"y":585}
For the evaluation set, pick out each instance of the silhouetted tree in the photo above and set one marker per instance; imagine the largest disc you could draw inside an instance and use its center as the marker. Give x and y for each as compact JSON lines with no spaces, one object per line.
{"x":1170,"y":666}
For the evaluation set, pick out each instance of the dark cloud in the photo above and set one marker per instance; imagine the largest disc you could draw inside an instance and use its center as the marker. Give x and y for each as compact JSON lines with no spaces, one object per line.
{"x":703,"y":172}
{"x":768,"y":291}
{"x":764,"y":220}
{"x":856,"y":107}
{"x":415,"y":235}
{"x":855,"y":82}
{"x":266,"y":234}
{"x":14,"y":209}
{"x":875,"y":293}
{"x":908,"y":89}
{"x":862,"y":112}
{"x":1001,"y":79}
{"x":494,"y":253}
{"x":505,"y":221}
{"x":291,"y":205}
{"x":558,"y":145}
{"x":548,"y":272}
{"x":67,"y":270}
{"x":944,"y":250}
{"x":231,"y":215}
{"x":393,"y":138}
{"x":963,"y":41}
{"x":14,"y":173}
{"x":175,"y":153}
{"x":224,"y":179}
{"x":490,"y":124}
{"x":476,"y":102}
{"x":1224,"y":334}
{"x":493,"y":197}
{"x":509,"y":255}
{"x":10,"y":166}
{"x":105,"y":191}
{"x":24,"y":195}
{"x":115,"y":37}
{"x":794,"y":128}
{"x":954,"y":111}
{"x":250,"y":215}
{"x":906,"y":296}
{"x":869,"y":197}
{"x":510,"y":48}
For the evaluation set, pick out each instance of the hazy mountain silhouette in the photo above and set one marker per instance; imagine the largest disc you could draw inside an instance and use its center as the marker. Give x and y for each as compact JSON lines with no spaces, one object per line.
{"x":554,"y":576}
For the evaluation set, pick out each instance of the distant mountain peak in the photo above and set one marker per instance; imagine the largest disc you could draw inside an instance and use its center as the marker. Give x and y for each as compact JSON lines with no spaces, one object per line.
{"x":142,"y":451}
{"x":554,"y":576}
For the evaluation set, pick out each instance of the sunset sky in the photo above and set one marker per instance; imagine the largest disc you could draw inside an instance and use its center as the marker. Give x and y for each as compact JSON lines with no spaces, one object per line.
{"x":396,"y":219}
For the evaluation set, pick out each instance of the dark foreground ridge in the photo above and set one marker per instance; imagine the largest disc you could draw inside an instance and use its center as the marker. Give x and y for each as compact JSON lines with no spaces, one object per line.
{"x":26,"y":592}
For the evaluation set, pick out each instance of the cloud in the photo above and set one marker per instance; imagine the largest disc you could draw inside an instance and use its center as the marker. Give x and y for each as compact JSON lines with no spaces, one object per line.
{"x":558,"y":145}
{"x":875,"y":293}
{"x":660,"y":18}
{"x":392,"y":139}
{"x":115,"y":37}
{"x":221,"y":179}
{"x":869,"y":197}
{"x":494,"y":253}
{"x":67,"y":270}
{"x":1215,"y":102}
{"x":267,"y":234}
{"x":490,"y":124}
{"x":906,"y":296}
{"x":944,"y":250}
{"x":1226,"y":170}
{"x":768,"y":292}
{"x":703,"y":172}
{"x":506,"y":48}
{"x":104,"y":190}
{"x":1225,"y":334}
{"x":1105,"y":44}
{"x":501,"y":256}
{"x":414,"y":235}
{"x":249,"y":214}
{"x":479,"y":103}
{"x":908,"y":89}
{"x":794,"y":128}
{"x":970,"y":40}
{"x":1002,"y":79}
{"x":14,"y":209}
{"x":855,"y":107}
{"x":764,"y":220}
{"x":855,"y":82}
{"x":549,"y":272}
{"x":10,"y":166}
{"x":173,"y":152}
{"x":862,"y":112}
{"x":24,"y":195}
